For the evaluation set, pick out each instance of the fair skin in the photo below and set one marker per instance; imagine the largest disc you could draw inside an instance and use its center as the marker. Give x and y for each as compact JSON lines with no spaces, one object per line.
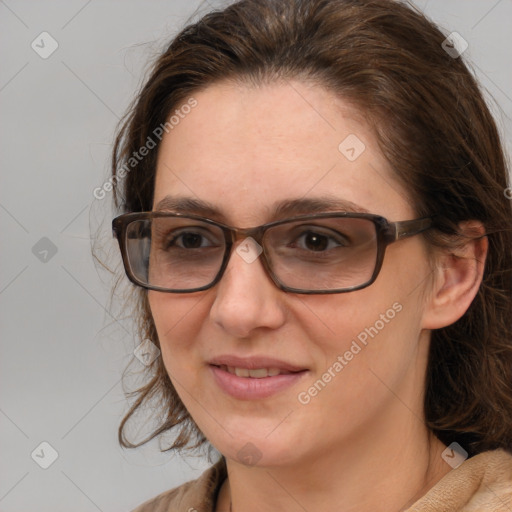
{"x":361,"y":443}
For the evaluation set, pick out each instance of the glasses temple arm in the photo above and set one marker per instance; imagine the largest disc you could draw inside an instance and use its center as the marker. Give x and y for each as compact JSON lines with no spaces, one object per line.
{"x":406,"y":228}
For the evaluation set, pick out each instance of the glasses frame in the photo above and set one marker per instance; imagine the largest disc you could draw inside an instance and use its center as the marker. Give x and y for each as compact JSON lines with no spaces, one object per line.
{"x":387,"y":233}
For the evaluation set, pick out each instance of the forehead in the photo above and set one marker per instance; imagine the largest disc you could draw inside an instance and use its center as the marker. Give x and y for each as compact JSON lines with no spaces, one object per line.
{"x":244,"y":149}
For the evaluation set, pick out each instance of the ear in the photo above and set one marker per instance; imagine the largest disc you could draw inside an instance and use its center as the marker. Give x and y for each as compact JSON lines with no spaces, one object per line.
{"x":458,"y":275}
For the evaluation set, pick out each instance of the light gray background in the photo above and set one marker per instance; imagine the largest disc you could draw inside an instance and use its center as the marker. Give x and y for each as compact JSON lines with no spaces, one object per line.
{"x":63,"y":347}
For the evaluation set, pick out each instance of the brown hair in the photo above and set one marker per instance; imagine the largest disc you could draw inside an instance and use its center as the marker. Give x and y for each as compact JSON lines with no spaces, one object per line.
{"x":432,"y":125}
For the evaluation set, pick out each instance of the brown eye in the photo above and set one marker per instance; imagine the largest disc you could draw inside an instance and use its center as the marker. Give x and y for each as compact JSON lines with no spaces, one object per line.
{"x":316,"y":242}
{"x":189,"y":240}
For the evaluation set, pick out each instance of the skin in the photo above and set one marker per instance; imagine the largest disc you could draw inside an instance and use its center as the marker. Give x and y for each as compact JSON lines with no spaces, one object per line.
{"x":361,"y":443}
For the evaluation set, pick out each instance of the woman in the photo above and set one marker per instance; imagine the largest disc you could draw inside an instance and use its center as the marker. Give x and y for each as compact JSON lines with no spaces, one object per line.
{"x":350,"y":347}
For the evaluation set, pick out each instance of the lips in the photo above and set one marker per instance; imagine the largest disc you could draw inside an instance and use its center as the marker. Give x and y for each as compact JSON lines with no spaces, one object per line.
{"x":254,"y":377}
{"x":254,"y":363}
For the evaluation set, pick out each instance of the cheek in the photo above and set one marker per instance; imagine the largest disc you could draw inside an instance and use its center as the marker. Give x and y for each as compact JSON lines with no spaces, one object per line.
{"x":178,"y":320}
{"x":368,"y":337}
{"x":351,"y":335}
{"x":370,"y":352}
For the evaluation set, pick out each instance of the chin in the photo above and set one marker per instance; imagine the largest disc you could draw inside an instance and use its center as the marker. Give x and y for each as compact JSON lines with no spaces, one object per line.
{"x":248,"y":446}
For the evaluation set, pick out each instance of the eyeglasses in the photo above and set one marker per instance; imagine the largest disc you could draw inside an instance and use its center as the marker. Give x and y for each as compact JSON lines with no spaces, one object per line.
{"x":332,"y":252}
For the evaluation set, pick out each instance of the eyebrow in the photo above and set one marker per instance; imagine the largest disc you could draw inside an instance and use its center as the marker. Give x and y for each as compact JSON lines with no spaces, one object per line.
{"x":280,"y":210}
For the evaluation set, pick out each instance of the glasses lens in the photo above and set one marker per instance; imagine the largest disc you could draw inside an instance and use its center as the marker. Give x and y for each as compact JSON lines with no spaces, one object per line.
{"x":323,"y":254}
{"x":174,"y":253}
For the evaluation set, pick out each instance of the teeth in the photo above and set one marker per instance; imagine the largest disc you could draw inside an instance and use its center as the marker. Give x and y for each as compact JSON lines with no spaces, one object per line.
{"x":257,"y":373}
{"x":241,"y":372}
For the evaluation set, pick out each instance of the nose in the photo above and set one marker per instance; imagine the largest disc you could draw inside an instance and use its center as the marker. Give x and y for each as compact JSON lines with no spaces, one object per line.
{"x":246,"y":298}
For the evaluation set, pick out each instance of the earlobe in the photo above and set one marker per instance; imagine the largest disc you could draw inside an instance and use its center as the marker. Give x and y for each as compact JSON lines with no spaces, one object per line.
{"x":458,"y":276}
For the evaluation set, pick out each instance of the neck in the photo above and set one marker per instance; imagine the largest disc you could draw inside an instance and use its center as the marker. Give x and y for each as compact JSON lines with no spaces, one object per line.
{"x":361,"y":476}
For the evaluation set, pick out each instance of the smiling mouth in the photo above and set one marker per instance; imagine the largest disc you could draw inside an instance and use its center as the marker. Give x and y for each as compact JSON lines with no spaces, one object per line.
{"x":255,"y":383}
{"x":254,"y":373}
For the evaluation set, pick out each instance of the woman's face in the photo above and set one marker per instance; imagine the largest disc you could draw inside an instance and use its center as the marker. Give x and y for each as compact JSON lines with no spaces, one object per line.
{"x":361,"y":355}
